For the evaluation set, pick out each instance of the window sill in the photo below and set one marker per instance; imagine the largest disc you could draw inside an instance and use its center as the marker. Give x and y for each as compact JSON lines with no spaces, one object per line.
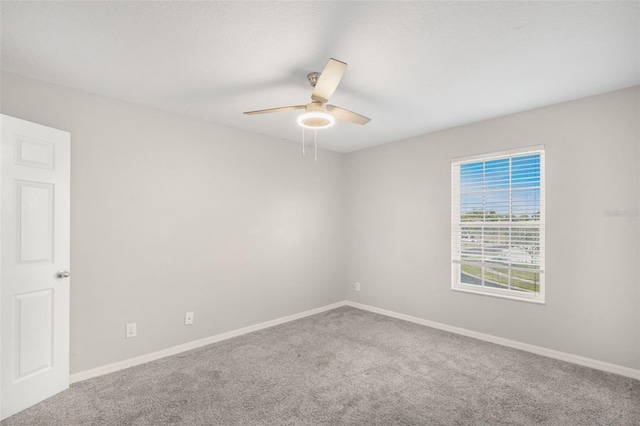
{"x":501,"y":296}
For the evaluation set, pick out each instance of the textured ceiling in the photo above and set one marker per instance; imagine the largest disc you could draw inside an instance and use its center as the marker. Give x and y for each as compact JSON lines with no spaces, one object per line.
{"x":414,"y":67}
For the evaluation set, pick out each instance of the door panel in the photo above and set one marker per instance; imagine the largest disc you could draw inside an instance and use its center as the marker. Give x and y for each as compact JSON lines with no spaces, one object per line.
{"x":35,"y":153}
{"x":34,"y":230}
{"x":33,"y":333}
{"x":34,"y":221}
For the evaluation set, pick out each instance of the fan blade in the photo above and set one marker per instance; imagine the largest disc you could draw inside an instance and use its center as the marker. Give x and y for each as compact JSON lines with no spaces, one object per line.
{"x":346,"y":115}
{"x":266,"y":111}
{"x":328,"y":81}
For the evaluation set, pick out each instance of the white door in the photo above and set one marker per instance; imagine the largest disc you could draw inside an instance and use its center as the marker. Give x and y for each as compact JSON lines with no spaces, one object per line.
{"x":34,"y":230}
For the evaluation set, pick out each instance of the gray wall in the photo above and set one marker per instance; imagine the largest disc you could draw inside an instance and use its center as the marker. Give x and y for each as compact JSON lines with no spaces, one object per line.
{"x":171,"y":214}
{"x":398,"y":228}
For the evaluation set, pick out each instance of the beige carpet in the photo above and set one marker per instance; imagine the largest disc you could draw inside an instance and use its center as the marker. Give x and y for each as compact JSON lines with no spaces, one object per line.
{"x":346,"y":367}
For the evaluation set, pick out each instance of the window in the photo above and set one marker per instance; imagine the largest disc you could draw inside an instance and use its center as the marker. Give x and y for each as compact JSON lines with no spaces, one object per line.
{"x":497,"y":223}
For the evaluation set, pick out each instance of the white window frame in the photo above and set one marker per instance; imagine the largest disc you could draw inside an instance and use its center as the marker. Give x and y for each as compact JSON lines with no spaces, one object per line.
{"x":456,"y":224}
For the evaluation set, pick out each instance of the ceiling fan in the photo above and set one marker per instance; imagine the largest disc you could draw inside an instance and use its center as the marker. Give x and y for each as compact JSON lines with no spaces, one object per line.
{"x":318,"y":114}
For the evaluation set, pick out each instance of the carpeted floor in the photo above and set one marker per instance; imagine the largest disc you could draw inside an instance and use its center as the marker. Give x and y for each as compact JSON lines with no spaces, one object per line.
{"x":346,"y":367}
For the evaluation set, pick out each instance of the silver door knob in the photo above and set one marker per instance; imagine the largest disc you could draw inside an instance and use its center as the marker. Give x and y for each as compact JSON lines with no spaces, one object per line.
{"x":62,"y":274}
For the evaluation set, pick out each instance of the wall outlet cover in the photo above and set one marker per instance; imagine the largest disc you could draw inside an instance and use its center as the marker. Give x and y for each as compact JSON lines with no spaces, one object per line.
{"x":132,"y":330}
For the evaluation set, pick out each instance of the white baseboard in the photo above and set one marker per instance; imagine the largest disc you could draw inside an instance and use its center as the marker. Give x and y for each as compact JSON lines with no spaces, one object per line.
{"x":121,"y":365}
{"x":563,"y":356}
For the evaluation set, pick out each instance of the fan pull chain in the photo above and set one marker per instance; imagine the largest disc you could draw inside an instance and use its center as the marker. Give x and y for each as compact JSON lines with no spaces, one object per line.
{"x":315,"y":144}
{"x":303,"y":141}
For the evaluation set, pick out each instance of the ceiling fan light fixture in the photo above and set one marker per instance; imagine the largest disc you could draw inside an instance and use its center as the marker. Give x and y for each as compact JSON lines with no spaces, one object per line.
{"x":316,"y":120}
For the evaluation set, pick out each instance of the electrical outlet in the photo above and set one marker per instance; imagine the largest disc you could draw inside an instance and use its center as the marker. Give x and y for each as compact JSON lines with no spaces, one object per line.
{"x":132,"y":330}
{"x":188,"y":318}
{"x":357,"y":286}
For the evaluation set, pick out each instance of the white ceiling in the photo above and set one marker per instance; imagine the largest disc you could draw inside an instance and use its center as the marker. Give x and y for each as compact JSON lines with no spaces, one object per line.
{"x":414,"y":67}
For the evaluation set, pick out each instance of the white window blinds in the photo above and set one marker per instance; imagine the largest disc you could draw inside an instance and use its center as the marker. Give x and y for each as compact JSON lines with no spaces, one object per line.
{"x":498,"y":224}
